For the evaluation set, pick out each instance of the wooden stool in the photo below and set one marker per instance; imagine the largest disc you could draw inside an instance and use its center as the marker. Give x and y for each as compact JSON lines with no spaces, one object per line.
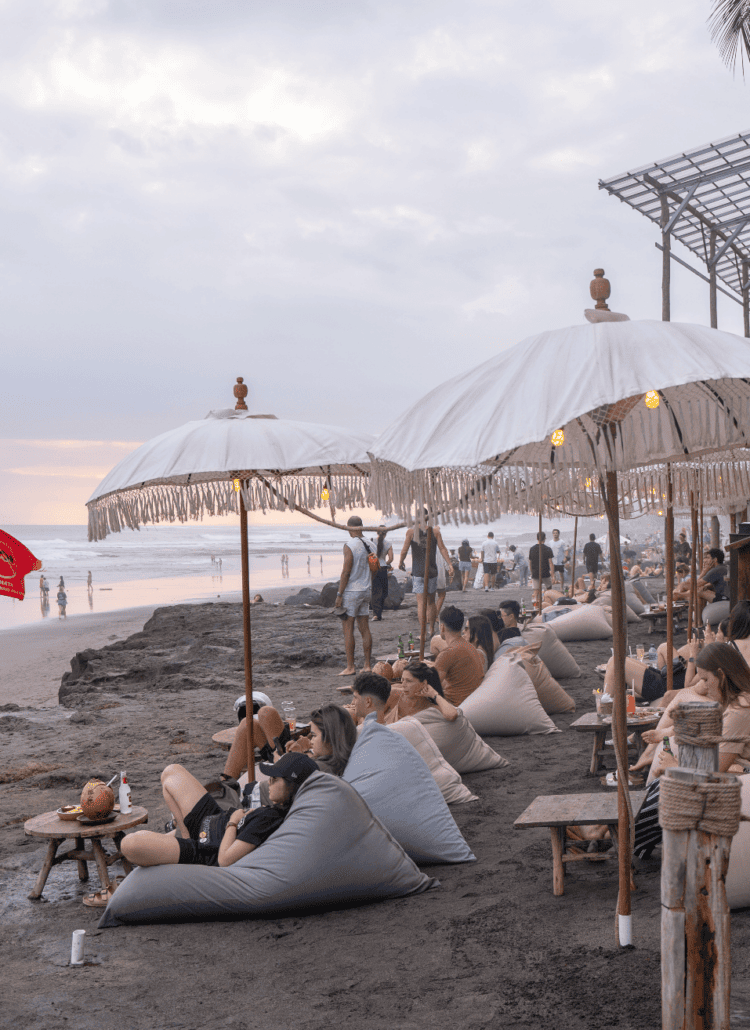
{"x":57,"y":830}
{"x":563,"y":810}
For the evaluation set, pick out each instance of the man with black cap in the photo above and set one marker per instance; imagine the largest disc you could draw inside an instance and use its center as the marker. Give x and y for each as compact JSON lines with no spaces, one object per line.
{"x":207,"y":835}
{"x":353,"y":599}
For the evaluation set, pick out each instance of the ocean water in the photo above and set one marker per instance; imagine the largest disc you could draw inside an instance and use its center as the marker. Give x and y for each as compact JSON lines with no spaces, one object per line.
{"x":171,"y":564}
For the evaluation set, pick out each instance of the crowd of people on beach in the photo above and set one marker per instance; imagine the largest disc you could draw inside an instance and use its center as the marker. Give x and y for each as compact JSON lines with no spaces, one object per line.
{"x":218,"y":824}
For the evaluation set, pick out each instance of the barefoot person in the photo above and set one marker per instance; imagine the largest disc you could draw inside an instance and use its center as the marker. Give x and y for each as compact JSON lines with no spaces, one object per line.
{"x":206,"y":835}
{"x":354,"y":595}
{"x":424,"y":587}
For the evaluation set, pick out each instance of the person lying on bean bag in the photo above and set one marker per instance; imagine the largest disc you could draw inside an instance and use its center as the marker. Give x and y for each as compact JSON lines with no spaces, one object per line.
{"x":207,"y":835}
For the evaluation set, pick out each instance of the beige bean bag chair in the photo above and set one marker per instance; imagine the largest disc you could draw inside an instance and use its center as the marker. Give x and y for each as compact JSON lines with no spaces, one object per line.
{"x":450,"y":783}
{"x":605,"y":601}
{"x":553,"y":698}
{"x":582,"y":622}
{"x":505,"y":704}
{"x":459,"y":743}
{"x":555,"y":655}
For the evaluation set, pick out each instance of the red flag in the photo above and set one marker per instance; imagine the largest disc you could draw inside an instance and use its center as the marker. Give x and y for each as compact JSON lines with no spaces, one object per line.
{"x":16,"y":561}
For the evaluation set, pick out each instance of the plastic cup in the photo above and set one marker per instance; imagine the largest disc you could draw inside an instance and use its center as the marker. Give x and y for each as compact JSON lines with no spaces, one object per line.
{"x":77,"y":947}
{"x":639,"y":652}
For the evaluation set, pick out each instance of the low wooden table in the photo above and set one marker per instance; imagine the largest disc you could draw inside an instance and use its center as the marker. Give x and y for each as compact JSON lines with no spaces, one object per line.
{"x":57,"y":830}
{"x":593,"y":723}
{"x":653,"y":617}
{"x":563,"y":810}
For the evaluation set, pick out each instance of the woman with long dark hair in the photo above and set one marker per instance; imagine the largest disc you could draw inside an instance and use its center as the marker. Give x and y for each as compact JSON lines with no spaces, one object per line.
{"x":332,"y":737}
{"x":722,"y":675}
{"x":478,"y":631}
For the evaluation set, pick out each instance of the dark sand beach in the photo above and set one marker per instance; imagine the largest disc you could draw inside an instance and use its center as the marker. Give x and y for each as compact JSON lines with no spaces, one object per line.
{"x":492,"y":947}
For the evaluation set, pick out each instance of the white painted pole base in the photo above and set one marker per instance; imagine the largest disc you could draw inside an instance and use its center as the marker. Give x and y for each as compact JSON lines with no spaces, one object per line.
{"x":625,"y":930}
{"x":77,"y":947}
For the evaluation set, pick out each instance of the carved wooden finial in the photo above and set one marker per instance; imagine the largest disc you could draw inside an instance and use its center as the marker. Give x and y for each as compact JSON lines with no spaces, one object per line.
{"x":240,"y":392}
{"x":600,"y":290}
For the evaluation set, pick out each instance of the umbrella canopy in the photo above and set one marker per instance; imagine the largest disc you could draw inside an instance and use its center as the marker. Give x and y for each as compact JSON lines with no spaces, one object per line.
{"x":497,"y":420}
{"x":188,"y":472}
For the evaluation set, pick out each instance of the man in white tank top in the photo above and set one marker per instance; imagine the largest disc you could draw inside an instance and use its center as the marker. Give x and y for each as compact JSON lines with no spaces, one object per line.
{"x":354,"y":595}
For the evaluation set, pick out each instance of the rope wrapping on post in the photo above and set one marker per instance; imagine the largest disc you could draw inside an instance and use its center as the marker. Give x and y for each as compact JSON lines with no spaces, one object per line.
{"x":712,"y":807}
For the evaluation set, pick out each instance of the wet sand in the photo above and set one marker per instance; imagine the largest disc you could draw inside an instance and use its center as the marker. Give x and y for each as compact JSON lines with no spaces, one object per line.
{"x":492,"y":947}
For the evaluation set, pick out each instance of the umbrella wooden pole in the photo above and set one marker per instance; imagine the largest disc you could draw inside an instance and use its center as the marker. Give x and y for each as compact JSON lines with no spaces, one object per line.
{"x":573,"y":563}
{"x":669,"y":572}
{"x":619,"y":718}
{"x":694,"y":622}
{"x":539,"y":545}
{"x":693,"y":549}
{"x":248,"y":643}
{"x":423,"y":620}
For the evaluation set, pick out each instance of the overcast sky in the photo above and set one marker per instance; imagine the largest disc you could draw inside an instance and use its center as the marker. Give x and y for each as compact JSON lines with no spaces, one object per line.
{"x":346,"y":202}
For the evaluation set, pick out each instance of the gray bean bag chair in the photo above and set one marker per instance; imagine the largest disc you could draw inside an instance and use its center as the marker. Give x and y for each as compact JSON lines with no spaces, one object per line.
{"x":399,"y":789}
{"x":715,"y":613}
{"x":639,"y":587}
{"x":329,"y":850}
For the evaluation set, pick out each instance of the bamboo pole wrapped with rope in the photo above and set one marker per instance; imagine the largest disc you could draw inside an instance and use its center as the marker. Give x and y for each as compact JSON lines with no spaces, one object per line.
{"x":699,"y":812}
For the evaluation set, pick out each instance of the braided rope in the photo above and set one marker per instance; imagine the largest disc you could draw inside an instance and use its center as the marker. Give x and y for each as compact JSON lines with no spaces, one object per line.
{"x":712,"y":807}
{"x":699,"y":726}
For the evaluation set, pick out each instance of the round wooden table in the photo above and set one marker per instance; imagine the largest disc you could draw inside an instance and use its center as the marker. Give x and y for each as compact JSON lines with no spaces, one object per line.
{"x":225,"y":738}
{"x":57,"y":830}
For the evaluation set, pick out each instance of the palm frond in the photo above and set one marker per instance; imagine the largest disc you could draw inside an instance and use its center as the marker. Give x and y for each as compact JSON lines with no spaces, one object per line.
{"x":730,"y":30}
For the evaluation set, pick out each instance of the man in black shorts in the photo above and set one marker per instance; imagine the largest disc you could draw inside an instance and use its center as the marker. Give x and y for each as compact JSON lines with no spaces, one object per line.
{"x":592,"y":552}
{"x":206,"y":834}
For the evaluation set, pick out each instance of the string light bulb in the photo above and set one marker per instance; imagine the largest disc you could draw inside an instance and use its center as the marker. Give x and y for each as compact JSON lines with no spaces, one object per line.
{"x":652,"y":399}
{"x":325,"y":495}
{"x":558,"y":438}
{"x":236,"y":485}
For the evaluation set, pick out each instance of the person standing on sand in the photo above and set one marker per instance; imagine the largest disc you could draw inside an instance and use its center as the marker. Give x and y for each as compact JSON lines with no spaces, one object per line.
{"x":418,"y":546}
{"x":384,"y":551}
{"x":61,"y":584}
{"x":354,"y":595}
{"x":592,"y":552}
{"x":89,"y":584}
{"x":489,"y":561}
{"x":464,"y":563}
{"x":62,"y":604}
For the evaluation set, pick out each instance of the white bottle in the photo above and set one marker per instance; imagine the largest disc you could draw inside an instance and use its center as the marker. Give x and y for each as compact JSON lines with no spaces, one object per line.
{"x":125,"y":805}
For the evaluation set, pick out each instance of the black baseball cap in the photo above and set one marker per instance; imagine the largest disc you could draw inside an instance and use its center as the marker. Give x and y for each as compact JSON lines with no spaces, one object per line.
{"x":293,"y":767}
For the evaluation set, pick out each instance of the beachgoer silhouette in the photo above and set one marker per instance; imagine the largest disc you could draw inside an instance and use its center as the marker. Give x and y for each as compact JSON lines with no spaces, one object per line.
{"x":61,"y":584}
{"x":89,"y":584}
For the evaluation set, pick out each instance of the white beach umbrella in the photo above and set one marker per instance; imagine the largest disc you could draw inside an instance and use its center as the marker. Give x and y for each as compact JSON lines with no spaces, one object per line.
{"x":189,"y":472}
{"x":550,"y":423}
{"x":498,"y":419}
{"x":233,"y":462}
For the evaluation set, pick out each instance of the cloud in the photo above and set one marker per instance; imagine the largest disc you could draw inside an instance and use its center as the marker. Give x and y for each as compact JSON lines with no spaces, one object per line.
{"x":296,"y":193}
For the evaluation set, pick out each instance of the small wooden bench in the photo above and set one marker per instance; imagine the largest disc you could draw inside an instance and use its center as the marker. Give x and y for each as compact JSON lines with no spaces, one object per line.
{"x":591,"y":722}
{"x":563,"y":810}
